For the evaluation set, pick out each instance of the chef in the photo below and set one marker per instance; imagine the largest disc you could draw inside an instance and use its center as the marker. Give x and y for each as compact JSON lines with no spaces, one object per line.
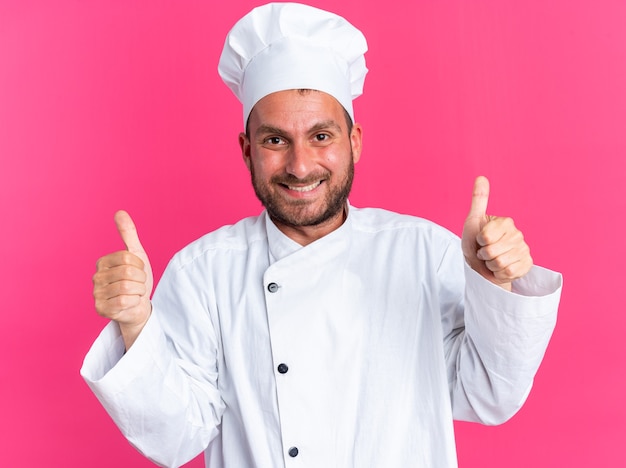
{"x":316,"y":334}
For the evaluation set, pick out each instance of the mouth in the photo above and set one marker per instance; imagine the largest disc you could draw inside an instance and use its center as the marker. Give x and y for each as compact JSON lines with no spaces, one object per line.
{"x":305,"y":188}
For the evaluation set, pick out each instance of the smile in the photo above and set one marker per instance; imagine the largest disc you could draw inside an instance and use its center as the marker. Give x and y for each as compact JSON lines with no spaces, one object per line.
{"x":306,"y":188}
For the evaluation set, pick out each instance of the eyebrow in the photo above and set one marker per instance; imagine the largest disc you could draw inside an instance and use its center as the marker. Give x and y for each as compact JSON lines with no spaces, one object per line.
{"x":324,"y":125}
{"x":264,"y":129}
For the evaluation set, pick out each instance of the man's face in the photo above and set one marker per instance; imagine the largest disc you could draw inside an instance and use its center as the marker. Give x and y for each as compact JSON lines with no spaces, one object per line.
{"x":301,"y":157}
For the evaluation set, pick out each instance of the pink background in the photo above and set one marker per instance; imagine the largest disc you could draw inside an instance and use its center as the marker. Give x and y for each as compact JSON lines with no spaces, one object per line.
{"x":117,"y":104}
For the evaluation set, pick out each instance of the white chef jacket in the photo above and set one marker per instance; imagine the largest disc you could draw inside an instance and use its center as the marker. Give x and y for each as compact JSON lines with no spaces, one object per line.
{"x":357,"y":350}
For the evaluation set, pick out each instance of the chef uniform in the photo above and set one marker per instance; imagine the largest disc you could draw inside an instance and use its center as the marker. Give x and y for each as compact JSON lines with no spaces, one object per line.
{"x":357,"y":350}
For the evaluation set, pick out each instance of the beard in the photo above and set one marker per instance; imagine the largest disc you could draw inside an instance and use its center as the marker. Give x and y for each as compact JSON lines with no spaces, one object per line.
{"x":300,"y":213}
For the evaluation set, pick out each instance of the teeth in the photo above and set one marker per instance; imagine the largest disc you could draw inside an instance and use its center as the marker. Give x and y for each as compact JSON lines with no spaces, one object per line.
{"x":308,"y":188}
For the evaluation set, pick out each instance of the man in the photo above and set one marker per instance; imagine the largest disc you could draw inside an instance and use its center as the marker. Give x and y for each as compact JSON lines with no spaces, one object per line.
{"x":316,"y":334}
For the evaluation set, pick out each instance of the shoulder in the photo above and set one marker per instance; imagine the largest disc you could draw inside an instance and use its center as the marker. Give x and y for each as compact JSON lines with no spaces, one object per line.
{"x":405,"y":243}
{"x":238,"y":237}
{"x":378,"y":220}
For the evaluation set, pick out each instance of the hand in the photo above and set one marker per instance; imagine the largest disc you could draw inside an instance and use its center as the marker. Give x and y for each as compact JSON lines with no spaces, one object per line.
{"x":492,"y":245}
{"x":123,"y":283}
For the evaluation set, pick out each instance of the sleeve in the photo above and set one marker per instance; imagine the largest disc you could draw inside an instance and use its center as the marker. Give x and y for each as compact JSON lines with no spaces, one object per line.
{"x":163,"y":392}
{"x":495,"y":341}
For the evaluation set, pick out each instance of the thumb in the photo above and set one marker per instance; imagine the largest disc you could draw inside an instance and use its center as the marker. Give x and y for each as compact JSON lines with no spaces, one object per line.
{"x":128,"y":232}
{"x":480,"y":198}
{"x":476,"y":219}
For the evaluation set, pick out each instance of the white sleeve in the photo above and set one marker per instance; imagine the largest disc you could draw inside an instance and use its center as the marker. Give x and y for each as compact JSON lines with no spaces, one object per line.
{"x":167,"y":407}
{"x":502,"y":345}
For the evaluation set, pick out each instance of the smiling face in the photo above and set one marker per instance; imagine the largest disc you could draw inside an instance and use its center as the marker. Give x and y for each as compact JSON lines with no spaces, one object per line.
{"x":301,"y":157}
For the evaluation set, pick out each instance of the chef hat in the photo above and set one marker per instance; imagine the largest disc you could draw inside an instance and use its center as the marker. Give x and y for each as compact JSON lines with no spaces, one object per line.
{"x":282,"y":46}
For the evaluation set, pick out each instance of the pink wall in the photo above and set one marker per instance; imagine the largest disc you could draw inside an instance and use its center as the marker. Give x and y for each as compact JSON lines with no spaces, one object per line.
{"x":110,"y":104}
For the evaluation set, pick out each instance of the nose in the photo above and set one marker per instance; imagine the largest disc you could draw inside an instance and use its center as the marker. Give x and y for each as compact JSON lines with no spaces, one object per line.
{"x":300,"y":160}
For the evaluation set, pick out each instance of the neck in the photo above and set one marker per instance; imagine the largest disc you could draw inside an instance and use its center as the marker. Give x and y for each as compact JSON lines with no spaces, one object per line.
{"x":305,"y":235}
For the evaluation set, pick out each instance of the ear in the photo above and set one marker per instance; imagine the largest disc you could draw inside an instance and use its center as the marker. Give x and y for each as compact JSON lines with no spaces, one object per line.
{"x":356,"y":142}
{"x":244,"y":144}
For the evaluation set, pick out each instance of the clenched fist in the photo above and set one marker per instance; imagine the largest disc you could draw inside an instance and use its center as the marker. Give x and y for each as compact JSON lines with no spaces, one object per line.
{"x":123,"y":283}
{"x":492,"y":245}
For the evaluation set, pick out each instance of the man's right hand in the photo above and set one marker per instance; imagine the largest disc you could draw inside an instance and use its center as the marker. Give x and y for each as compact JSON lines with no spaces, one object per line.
{"x":123,"y":283}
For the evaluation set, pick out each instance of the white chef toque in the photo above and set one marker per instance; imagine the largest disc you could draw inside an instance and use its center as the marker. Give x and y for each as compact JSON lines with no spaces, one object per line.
{"x":282,"y":46}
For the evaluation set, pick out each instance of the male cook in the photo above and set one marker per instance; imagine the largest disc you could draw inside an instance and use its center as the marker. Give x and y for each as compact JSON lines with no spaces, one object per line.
{"x":316,"y":334}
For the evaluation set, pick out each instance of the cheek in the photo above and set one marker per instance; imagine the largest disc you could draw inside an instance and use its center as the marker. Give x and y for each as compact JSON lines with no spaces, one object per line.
{"x":338,"y":160}
{"x":264,"y":165}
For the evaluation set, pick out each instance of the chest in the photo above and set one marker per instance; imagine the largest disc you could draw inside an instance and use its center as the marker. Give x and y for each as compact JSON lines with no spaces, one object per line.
{"x":332,"y":326}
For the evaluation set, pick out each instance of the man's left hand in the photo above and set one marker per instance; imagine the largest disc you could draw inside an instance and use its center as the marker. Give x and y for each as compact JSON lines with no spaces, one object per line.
{"x":492,"y":245}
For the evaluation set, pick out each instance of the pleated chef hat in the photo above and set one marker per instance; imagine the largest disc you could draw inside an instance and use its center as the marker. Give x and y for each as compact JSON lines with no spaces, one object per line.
{"x":282,"y":46}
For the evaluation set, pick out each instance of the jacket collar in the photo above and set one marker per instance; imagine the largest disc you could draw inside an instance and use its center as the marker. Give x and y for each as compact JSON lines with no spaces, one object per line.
{"x":281,"y":246}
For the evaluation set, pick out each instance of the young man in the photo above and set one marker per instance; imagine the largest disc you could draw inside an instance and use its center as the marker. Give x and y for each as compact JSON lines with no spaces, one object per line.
{"x":316,"y":334}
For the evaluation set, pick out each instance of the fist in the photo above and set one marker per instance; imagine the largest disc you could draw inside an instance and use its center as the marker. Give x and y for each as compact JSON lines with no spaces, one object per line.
{"x":123,"y":282}
{"x":492,"y":245}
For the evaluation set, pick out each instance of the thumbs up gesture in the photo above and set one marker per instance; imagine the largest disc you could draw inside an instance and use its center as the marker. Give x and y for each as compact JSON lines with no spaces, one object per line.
{"x":123,"y":283}
{"x":492,"y":245}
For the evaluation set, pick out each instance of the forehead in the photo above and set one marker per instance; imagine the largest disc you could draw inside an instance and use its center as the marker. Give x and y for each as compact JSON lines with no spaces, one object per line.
{"x":294,"y":109}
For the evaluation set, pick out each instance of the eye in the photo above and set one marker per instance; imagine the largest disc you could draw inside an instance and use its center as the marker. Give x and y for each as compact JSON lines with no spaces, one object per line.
{"x":322,"y":137}
{"x":274,"y":140}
